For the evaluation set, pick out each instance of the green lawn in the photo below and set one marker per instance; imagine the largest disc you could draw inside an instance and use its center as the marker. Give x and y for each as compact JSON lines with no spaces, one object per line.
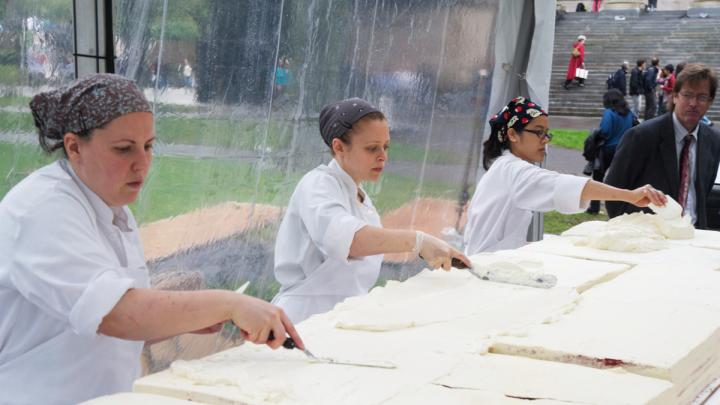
{"x":569,"y":138}
{"x":17,"y":101}
{"x":556,"y":223}
{"x":179,"y":184}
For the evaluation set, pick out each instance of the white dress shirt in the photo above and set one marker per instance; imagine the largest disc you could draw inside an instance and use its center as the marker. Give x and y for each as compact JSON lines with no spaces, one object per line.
{"x":680,"y":132}
{"x":63,"y":267}
{"x":505,"y":198}
{"x":313,"y":244}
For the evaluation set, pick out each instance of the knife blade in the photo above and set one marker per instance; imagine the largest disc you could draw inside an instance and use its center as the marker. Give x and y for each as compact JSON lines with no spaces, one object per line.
{"x":289,"y":344}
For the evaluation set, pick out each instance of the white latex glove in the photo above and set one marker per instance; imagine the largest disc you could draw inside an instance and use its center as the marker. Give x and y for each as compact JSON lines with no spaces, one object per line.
{"x":437,"y":253}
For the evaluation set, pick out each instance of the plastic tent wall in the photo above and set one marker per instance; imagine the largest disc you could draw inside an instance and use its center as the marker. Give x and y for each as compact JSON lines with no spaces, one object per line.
{"x":236,"y":87}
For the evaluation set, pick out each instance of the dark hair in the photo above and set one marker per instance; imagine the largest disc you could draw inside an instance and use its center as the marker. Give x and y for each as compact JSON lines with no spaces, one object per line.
{"x":655,"y":61}
{"x":493,"y":147}
{"x":679,"y":67}
{"x":640,"y":62}
{"x":614,"y":99}
{"x":345,"y":138}
{"x":50,"y":144}
{"x":669,"y":68}
{"x":694,"y":73}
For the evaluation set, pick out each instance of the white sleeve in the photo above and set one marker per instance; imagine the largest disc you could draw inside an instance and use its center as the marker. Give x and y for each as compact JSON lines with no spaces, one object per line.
{"x":324,"y":211}
{"x":538,"y":189}
{"x":59,"y":264}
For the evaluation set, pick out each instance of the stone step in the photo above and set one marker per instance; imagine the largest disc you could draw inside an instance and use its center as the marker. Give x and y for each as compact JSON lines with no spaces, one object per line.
{"x":668,"y":35}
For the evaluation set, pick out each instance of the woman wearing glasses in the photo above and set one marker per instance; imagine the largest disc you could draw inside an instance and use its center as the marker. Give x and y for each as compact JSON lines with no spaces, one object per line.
{"x":513,"y":186}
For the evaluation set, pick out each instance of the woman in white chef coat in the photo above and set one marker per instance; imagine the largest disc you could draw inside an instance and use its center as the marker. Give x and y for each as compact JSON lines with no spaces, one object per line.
{"x":76,"y":307}
{"x":513,"y":186}
{"x":330,"y":244}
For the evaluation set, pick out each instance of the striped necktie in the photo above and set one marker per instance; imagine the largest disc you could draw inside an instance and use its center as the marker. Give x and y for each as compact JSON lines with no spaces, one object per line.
{"x":685,"y":170}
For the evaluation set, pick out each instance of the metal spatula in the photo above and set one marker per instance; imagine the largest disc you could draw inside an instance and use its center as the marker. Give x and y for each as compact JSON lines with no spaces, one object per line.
{"x":529,"y":279}
{"x":289,"y":343}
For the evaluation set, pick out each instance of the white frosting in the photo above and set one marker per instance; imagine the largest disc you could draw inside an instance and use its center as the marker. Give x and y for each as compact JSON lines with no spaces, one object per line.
{"x":445,"y":333}
{"x":423,"y":301}
{"x":671,"y":210}
{"x":636,"y":232}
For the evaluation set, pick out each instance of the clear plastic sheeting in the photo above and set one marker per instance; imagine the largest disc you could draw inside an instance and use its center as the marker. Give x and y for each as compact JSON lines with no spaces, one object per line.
{"x":236,"y":87}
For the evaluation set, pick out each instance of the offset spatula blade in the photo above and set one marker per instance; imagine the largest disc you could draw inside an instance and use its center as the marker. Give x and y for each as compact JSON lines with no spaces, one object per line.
{"x":289,"y":343}
{"x":524,"y":278}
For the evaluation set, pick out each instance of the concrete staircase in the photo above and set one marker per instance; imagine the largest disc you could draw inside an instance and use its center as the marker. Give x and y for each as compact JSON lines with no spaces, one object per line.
{"x":669,"y":35}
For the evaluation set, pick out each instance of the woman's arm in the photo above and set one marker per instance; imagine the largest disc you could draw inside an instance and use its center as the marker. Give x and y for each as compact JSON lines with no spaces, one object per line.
{"x":641,"y":196}
{"x":372,"y":240}
{"x":145,"y":314}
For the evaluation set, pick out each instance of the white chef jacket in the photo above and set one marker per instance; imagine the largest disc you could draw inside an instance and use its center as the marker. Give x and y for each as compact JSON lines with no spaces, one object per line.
{"x":66,"y":259}
{"x":313,"y":244}
{"x":506,"y":196}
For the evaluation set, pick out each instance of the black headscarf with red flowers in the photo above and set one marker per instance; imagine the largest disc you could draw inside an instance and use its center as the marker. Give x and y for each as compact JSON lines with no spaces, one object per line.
{"x":517,"y":114}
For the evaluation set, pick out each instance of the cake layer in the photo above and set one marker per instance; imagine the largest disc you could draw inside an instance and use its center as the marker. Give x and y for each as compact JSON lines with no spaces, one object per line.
{"x":654,"y":320}
{"x":677,"y":254}
{"x":521,"y":377}
{"x":132,"y":398}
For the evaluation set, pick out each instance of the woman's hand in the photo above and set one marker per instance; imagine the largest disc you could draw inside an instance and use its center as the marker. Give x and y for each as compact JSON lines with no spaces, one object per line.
{"x":438,"y":253}
{"x":256,"y":319}
{"x":643,"y":196}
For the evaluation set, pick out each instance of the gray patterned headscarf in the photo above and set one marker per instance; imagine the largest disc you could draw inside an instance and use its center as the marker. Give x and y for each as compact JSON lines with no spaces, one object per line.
{"x":337,"y":118}
{"x":84,"y":105}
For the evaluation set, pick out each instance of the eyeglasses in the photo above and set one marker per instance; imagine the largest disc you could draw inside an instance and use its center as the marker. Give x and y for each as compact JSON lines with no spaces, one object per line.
{"x":542,"y":135}
{"x":701,"y":98}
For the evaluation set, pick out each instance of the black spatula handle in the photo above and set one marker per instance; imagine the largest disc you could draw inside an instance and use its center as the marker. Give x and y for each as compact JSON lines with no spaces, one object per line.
{"x":289,"y":343}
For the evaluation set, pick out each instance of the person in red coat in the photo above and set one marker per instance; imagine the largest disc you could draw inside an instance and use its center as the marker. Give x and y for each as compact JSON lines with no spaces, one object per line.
{"x":577,"y":60}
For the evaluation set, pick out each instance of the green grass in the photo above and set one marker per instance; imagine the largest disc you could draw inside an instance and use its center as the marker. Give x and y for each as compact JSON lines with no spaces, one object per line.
{"x":556,"y":223}
{"x":222,"y":132}
{"x":17,"y":101}
{"x":10,"y":74}
{"x":405,"y":152}
{"x":17,"y":161}
{"x":569,"y":138}
{"x":16,"y":122}
{"x":177,"y":185}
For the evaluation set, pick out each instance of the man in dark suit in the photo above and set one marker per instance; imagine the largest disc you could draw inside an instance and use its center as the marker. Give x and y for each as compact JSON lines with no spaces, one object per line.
{"x":618,"y":79}
{"x":674,"y":152}
{"x":650,"y":83}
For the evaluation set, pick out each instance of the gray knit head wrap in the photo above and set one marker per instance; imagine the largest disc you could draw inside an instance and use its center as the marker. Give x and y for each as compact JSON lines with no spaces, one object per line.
{"x":337,"y":118}
{"x":84,"y":105}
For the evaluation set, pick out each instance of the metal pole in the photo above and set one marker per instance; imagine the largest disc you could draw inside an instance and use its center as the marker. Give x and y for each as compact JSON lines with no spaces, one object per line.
{"x":109,"y":37}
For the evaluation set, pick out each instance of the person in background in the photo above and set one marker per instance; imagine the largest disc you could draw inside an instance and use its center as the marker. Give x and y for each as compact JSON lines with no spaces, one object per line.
{"x":577,"y":61}
{"x":330,"y":244}
{"x":596,"y":5}
{"x":618,"y":80}
{"x":674,"y":152}
{"x":637,"y":86}
{"x":650,"y":84}
{"x":580,"y":8}
{"x":514,"y":186}
{"x":74,"y":286}
{"x":187,"y":74}
{"x":617,"y":118}
{"x":667,"y":82}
